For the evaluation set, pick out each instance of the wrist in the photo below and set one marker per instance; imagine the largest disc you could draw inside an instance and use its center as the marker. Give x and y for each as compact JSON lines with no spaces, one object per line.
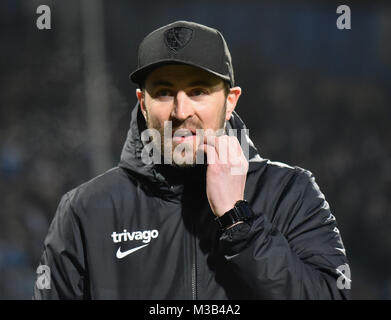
{"x":224,"y":209}
{"x":240,"y":213}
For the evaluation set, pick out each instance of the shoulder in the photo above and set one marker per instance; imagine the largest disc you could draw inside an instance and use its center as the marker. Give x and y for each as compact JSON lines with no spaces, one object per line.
{"x":288,"y":195}
{"x":282,"y":167}
{"x":293,"y":186}
{"x":282,"y":173}
{"x":100,"y":190}
{"x":90,"y":204}
{"x":276,"y":183}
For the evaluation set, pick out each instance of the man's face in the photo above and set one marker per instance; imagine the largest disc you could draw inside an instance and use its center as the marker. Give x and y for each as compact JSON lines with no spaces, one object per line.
{"x":191,"y":99}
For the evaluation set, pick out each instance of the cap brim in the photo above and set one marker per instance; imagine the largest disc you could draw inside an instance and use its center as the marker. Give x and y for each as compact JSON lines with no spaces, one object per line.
{"x":138,"y":76}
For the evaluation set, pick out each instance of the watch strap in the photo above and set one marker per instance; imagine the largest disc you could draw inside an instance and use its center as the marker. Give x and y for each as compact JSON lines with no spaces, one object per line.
{"x":240,"y":212}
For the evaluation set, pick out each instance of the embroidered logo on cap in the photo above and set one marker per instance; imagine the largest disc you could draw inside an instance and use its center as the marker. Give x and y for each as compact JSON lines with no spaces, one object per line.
{"x":178,"y":37}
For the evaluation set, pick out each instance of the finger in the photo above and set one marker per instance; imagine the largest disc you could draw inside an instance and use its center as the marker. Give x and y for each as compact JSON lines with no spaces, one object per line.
{"x":209,"y":138}
{"x":211,"y":154}
{"x":210,"y":135}
{"x":235,"y":152}
{"x":220,"y":143}
{"x":222,"y":148}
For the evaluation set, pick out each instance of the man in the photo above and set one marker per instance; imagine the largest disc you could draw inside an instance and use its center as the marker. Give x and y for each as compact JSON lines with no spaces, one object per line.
{"x":207,"y":218}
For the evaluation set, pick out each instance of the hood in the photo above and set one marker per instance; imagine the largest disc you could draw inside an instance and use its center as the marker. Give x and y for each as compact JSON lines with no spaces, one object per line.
{"x":166,"y":178}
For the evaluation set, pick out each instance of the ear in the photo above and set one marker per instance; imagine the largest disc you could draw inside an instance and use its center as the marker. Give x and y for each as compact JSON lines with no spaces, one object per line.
{"x":232,"y":100}
{"x":140,"y":98}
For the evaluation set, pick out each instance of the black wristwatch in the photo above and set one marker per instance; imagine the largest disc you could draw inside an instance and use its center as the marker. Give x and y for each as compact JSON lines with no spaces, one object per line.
{"x":240,"y":212}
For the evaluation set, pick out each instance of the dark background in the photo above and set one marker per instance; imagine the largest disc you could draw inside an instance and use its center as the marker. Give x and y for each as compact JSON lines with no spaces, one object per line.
{"x":313,"y":96}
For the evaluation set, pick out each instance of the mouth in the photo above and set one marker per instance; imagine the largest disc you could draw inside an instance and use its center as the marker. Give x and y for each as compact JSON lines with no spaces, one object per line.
{"x":182,"y":135}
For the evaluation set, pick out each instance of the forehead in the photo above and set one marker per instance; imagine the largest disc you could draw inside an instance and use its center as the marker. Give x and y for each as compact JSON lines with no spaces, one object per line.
{"x":181,"y":75}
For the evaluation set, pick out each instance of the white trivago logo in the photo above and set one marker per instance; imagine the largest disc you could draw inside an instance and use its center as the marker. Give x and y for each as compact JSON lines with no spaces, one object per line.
{"x":145,"y":236}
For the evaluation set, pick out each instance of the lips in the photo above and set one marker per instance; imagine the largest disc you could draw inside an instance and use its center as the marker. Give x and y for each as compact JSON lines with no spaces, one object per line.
{"x":181,"y":135}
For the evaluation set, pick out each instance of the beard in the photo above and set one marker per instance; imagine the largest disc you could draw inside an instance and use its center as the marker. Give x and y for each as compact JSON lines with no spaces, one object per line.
{"x":183,"y":154}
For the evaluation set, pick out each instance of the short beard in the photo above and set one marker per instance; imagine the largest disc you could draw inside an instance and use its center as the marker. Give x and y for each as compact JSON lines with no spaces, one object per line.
{"x":191,"y":162}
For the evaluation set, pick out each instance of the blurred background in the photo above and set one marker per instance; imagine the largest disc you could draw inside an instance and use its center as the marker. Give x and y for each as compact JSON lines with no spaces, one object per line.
{"x":313,"y":96}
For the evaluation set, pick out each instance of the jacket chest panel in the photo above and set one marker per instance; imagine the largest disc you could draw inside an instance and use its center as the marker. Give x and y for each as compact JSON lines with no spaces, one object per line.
{"x":157,"y":249}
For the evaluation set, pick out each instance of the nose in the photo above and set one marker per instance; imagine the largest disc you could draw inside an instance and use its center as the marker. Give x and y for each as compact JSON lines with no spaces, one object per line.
{"x":183,"y":108}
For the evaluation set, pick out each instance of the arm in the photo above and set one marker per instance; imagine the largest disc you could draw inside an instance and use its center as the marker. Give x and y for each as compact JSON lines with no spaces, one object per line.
{"x":299,"y":263}
{"x":63,"y":254}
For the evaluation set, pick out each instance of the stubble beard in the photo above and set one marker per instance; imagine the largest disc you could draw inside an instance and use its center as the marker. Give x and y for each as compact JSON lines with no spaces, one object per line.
{"x":183,"y":150}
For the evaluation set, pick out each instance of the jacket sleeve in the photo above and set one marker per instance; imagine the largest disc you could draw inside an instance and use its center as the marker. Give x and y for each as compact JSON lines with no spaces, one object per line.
{"x":302,"y":257}
{"x":62,"y":257}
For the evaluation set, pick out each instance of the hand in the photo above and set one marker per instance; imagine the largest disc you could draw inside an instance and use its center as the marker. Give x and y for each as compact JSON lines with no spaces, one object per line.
{"x":226,"y":173}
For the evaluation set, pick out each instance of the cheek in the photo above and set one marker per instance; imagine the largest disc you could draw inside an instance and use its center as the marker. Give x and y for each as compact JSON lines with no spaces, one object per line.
{"x":209,"y":120}
{"x":157,"y":114}
{"x":213,"y":118}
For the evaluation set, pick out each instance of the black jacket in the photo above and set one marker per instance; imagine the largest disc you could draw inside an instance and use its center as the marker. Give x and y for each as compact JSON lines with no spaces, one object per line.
{"x":291,"y":250}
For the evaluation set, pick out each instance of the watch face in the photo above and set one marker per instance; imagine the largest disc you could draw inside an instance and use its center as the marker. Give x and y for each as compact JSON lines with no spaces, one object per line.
{"x":240,"y":212}
{"x":244,"y":210}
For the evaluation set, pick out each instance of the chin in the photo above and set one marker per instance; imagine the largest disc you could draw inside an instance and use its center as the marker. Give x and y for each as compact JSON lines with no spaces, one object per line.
{"x":184,"y":157}
{"x":184,"y":160}
{"x":183,"y":165}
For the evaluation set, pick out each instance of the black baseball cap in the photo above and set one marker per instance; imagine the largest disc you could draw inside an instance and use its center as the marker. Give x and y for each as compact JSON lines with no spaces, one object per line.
{"x":184,"y":42}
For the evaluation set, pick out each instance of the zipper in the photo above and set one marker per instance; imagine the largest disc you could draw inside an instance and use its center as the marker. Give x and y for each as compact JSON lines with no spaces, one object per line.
{"x":194,"y":267}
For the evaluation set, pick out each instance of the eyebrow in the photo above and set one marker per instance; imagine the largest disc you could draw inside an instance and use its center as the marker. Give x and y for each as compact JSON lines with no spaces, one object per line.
{"x":201,"y":83}
{"x":195,"y":83}
{"x":162,"y":83}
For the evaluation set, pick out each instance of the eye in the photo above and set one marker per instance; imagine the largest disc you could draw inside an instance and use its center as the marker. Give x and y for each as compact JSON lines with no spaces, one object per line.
{"x":163,"y":93}
{"x":198,"y":92}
